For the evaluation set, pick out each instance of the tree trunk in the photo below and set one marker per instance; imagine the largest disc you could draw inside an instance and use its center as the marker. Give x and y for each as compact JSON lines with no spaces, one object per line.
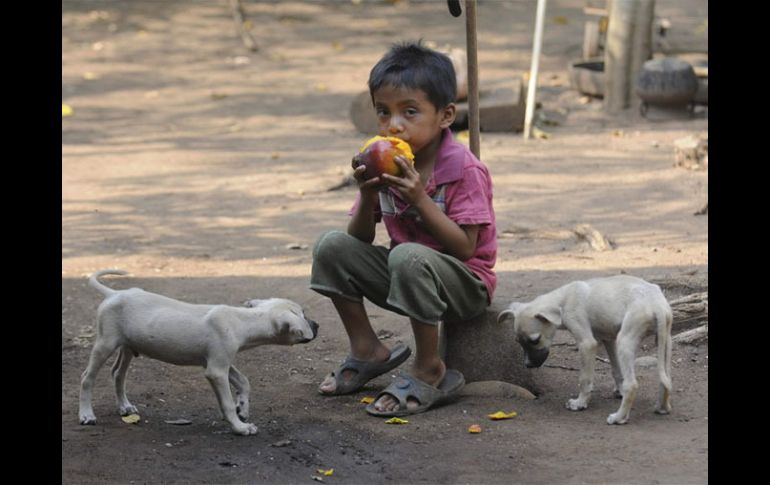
{"x":629,"y":45}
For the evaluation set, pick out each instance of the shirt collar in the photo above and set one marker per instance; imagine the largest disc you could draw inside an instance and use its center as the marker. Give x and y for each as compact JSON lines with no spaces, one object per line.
{"x":450,"y":159}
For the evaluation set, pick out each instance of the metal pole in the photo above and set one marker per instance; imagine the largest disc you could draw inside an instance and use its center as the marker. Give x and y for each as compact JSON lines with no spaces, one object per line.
{"x":533,"y":70}
{"x":473,"y":77}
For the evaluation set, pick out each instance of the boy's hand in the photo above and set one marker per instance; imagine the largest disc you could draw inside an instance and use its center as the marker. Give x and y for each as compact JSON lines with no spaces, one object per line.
{"x":368,"y":187}
{"x":410,"y":186}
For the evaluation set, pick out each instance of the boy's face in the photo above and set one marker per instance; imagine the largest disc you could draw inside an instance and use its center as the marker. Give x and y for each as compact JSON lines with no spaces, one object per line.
{"x":408,"y":114}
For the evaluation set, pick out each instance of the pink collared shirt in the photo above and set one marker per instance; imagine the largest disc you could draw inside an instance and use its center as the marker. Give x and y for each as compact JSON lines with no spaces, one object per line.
{"x":462,"y":188}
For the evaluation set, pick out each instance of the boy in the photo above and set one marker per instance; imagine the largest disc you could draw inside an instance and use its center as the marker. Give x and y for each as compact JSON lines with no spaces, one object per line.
{"x":443,"y":246}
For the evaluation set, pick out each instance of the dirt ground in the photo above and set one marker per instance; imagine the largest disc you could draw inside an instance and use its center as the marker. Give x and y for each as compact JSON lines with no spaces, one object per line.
{"x":202,"y":169}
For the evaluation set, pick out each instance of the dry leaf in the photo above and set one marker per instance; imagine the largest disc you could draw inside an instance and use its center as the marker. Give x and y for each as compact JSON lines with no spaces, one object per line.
{"x":501,"y":415}
{"x":367,"y":400}
{"x":396,"y":421}
{"x":90,"y":76}
{"x":66,"y":110}
{"x":474,"y":428}
{"x":326,"y":473}
{"x":538,"y":133}
{"x":131,"y":418}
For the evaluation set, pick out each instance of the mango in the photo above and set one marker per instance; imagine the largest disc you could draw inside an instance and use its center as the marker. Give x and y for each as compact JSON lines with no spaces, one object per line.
{"x":378,"y":153}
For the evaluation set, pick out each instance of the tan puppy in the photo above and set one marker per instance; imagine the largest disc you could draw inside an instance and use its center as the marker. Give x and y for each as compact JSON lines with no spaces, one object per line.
{"x":618,"y":311}
{"x":138,"y":322}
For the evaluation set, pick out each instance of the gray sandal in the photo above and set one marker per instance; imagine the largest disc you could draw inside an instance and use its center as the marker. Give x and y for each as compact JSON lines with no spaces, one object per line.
{"x":407,"y":386}
{"x":365,"y":371}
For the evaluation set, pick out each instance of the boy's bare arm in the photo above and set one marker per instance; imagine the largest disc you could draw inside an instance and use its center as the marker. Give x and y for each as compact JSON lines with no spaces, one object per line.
{"x":362,"y":225}
{"x":458,"y":241}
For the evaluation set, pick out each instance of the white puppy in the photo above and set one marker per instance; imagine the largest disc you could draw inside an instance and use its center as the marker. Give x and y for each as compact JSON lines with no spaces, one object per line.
{"x":618,"y":311}
{"x":138,"y":322}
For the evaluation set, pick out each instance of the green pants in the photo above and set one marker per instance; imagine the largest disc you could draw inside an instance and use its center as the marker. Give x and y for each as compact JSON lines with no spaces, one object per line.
{"x":410,"y":279}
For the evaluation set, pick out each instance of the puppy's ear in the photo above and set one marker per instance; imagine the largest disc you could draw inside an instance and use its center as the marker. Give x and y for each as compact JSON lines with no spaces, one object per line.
{"x":550,"y":315}
{"x":251,"y":303}
{"x":511,"y":311}
{"x":505,"y":314}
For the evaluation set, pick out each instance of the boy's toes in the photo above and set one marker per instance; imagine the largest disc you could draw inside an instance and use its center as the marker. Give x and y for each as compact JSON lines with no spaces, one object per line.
{"x":386,"y":403}
{"x":328,"y":385}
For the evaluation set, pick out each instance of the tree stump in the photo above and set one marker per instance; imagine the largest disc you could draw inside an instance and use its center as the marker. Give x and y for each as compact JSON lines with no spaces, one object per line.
{"x":485,"y":350}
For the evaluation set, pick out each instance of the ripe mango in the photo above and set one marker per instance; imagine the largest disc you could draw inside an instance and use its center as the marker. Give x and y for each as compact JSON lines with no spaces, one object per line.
{"x":377,"y":155}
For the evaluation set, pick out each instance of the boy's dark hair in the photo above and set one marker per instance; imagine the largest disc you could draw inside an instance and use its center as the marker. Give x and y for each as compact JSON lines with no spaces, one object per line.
{"x":414,"y":66}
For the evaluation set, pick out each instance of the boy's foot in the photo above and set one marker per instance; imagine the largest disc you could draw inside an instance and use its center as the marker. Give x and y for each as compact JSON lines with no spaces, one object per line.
{"x":415,"y":396}
{"x":433,"y":377}
{"x":354,"y":373}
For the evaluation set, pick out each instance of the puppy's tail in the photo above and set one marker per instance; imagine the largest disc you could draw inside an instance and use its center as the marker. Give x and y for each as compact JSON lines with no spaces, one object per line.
{"x":665,"y":320}
{"x":94,"y":280}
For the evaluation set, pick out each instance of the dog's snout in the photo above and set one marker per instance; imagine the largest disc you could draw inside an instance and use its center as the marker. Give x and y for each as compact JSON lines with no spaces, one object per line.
{"x":535,"y":357}
{"x":313,"y":327}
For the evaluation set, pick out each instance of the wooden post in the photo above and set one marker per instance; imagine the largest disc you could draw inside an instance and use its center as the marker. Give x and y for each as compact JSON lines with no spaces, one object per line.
{"x":534,"y":67}
{"x":473,"y":77}
{"x":629,"y":45}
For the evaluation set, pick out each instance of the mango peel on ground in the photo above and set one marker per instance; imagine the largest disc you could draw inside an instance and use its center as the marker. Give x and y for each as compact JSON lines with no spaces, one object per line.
{"x":378,"y":155}
{"x":501,"y":415}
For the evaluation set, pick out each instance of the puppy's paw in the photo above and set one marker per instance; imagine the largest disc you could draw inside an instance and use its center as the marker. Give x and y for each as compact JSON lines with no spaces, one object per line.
{"x":576,"y":405}
{"x":129,"y":409}
{"x":245,"y":429}
{"x":617,"y":418}
{"x":663,"y":409}
{"x":87,"y":419}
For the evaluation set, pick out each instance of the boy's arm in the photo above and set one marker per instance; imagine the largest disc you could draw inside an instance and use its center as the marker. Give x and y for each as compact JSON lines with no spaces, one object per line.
{"x":458,"y":241}
{"x":362,"y":224}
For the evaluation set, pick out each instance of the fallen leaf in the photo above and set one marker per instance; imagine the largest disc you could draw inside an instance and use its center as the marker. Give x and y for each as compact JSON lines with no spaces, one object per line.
{"x":474,"y":428}
{"x":131,"y":418}
{"x":326,"y":473}
{"x":367,"y":400}
{"x":90,"y":76}
{"x":501,"y":415}
{"x":560,"y":20}
{"x":396,"y":421}
{"x":540,"y":133}
{"x":321,"y":87}
{"x":66,"y":110}
{"x":281,"y":444}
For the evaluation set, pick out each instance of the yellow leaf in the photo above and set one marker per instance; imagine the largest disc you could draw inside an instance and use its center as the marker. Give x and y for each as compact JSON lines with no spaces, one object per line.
{"x":543,"y":135}
{"x":90,"y":76}
{"x":327,"y":473}
{"x":474,"y":428}
{"x":367,"y":400}
{"x":396,"y":421}
{"x":131,"y":418}
{"x":560,"y":20}
{"x":66,"y":110}
{"x":501,"y":415}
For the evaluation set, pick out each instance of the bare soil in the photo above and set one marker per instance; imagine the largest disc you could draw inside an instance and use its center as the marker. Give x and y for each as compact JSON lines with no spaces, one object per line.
{"x":203,"y":169}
